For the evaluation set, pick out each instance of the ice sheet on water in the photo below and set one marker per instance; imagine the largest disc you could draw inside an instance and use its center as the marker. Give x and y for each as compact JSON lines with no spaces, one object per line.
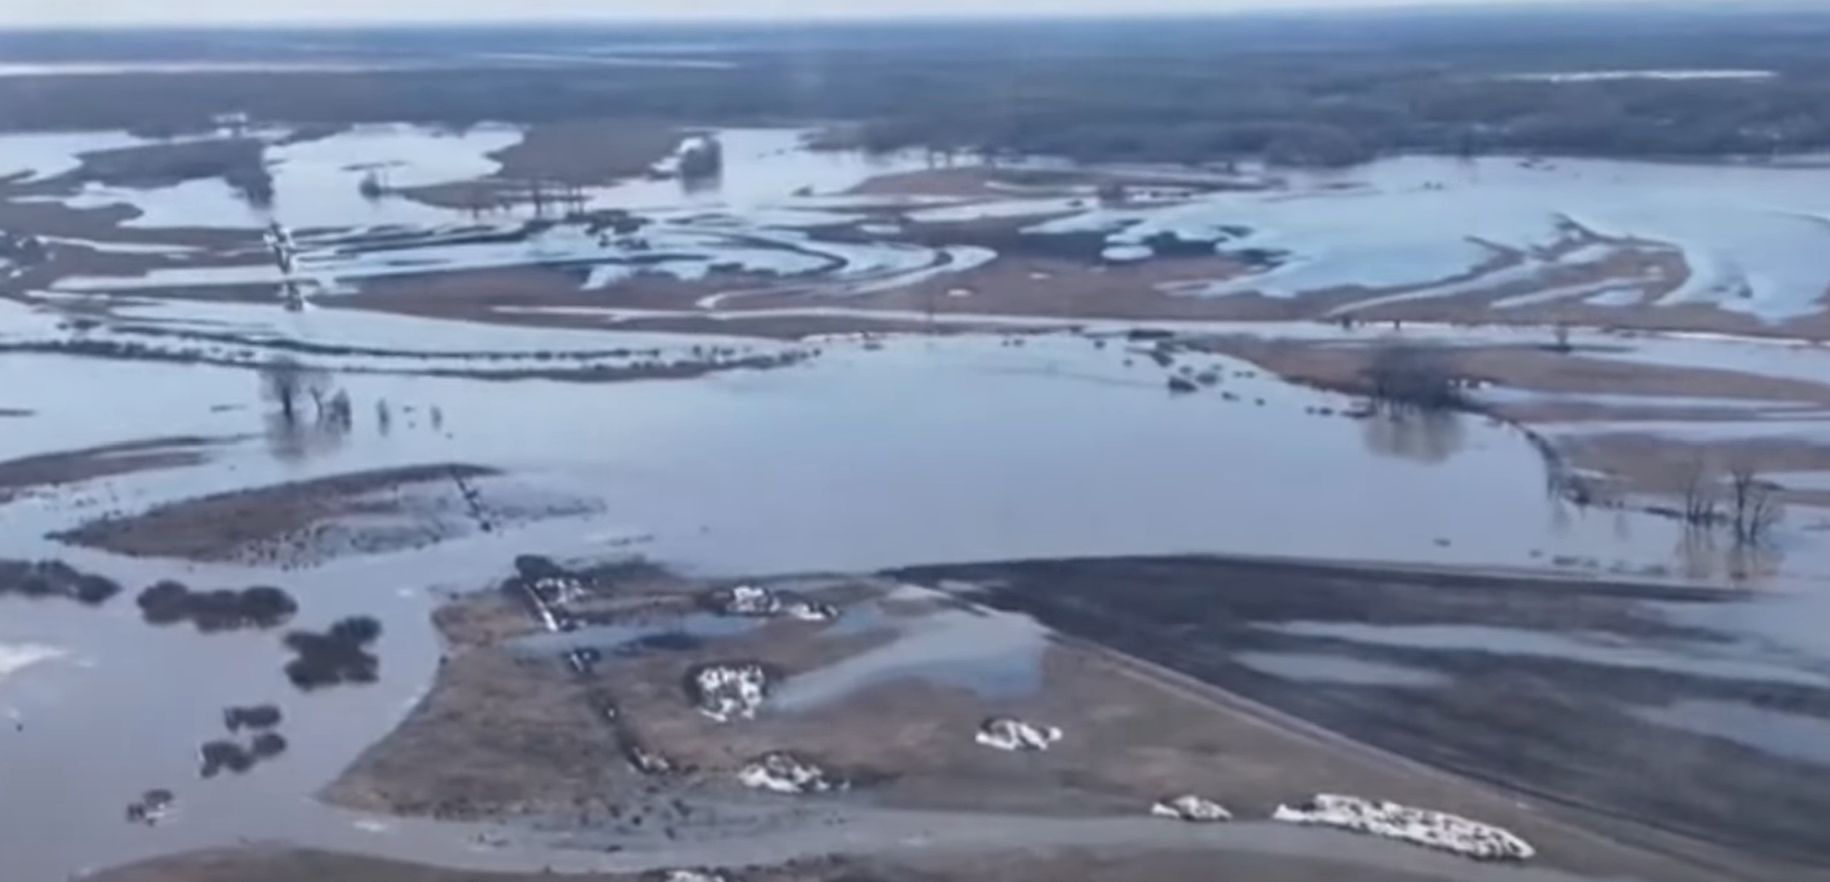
{"x":16,"y":657}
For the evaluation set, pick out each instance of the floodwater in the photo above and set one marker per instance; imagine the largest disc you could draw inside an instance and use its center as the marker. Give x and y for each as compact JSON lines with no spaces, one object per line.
{"x":317,"y":183}
{"x":996,"y":655}
{"x":1792,"y":736}
{"x":1339,"y":669}
{"x":922,"y":450}
{"x":871,"y":455}
{"x":1747,"y":233}
{"x":1732,"y":662}
{"x":914,"y":451}
{"x":749,"y":219}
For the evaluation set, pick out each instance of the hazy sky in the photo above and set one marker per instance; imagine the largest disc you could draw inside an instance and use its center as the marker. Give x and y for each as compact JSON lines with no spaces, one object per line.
{"x":48,"y":12}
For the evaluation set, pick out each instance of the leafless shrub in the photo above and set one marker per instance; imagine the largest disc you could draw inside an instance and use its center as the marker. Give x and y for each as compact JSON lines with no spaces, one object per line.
{"x":1702,"y":505}
{"x":296,"y":429}
{"x":288,"y":384}
{"x":1754,"y":508}
{"x":1561,"y":335}
{"x":1408,"y":376}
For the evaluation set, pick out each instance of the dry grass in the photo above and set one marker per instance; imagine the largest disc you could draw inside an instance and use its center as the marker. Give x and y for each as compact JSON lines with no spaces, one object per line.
{"x":31,"y":474}
{"x":496,"y":735}
{"x":276,"y":521}
{"x":1539,"y":369}
{"x":500,"y":735}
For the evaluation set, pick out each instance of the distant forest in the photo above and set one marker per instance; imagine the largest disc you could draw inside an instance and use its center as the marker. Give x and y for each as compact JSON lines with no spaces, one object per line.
{"x":1317,"y":89}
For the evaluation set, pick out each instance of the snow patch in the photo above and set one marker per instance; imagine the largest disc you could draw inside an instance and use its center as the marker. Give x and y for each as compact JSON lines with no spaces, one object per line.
{"x":784,"y":772}
{"x":1191,"y":808}
{"x":692,"y":876}
{"x":727,"y":691}
{"x":808,"y":611}
{"x":1431,"y":829}
{"x":1009,"y":733}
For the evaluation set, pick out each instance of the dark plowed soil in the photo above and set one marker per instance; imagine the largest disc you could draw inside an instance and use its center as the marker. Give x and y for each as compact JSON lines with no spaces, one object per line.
{"x":1553,"y":726}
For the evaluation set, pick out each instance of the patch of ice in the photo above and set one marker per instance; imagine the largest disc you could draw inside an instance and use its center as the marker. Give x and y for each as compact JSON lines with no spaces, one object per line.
{"x":1003,"y":208}
{"x":1127,"y":253}
{"x":1590,"y":291}
{"x":958,"y":259}
{"x":17,"y":657}
{"x":1431,"y":829}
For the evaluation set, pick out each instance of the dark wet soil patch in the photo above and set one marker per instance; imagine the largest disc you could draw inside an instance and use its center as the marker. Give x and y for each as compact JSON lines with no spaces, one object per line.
{"x":55,"y":579}
{"x":1558,"y":726}
{"x":33,"y":474}
{"x":172,"y":603}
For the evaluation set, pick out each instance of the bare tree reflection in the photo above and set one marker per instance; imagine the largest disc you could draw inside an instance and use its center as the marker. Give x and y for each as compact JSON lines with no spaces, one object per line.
{"x":1421,"y":435}
{"x":309,"y":415}
{"x":1417,"y":403}
{"x":1729,"y":524}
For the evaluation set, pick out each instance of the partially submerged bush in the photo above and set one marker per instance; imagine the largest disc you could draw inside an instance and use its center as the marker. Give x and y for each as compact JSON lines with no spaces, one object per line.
{"x":171,"y":603}
{"x":1411,"y":375}
{"x":339,"y":655}
{"x":55,"y":579}
{"x":260,"y":716}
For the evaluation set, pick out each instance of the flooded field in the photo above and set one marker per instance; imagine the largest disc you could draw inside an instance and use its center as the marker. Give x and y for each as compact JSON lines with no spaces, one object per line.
{"x":696,"y":375}
{"x":1526,"y":241}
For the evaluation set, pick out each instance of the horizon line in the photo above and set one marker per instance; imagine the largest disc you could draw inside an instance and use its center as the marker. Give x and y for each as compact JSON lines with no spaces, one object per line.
{"x":1280,"y":10}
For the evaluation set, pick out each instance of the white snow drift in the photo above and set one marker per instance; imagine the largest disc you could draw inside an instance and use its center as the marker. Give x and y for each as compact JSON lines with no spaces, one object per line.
{"x":1009,"y":733}
{"x":749,"y":600}
{"x":1431,"y":829}
{"x":784,"y":772}
{"x":730,"y":691}
{"x":1189,"y":807}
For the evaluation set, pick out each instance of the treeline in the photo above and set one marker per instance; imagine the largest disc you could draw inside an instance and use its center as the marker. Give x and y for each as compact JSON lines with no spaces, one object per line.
{"x":1320,"y":90}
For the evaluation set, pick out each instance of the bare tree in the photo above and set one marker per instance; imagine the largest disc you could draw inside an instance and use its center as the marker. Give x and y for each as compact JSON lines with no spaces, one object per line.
{"x":291,"y":435}
{"x":1408,"y":376}
{"x":1702,"y":506}
{"x":289,"y":384}
{"x":1753,"y":506}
